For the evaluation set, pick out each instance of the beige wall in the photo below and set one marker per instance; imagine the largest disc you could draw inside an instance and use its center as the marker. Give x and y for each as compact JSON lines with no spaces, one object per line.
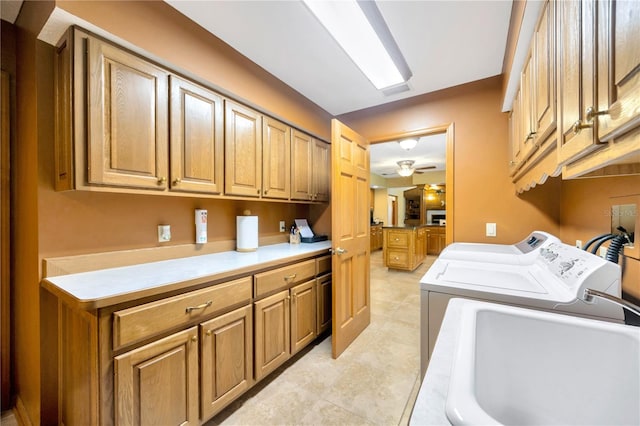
{"x":483,"y":193}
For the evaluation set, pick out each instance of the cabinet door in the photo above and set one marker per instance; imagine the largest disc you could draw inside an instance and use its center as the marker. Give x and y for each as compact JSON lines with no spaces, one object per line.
{"x":618,"y":68}
{"x":321,"y":171}
{"x":303,"y":315}
{"x":158,"y":383}
{"x":196,"y":138}
{"x":324,"y":303}
{"x":515,"y":142}
{"x":575,"y":78}
{"x":544,"y":82}
{"x":301,"y":165}
{"x":127,"y":125}
{"x":243,"y":151}
{"x":227,"y":359}
{"x":527,"y":127}
{"x":272,"y":333}
{"x":276,"y":154}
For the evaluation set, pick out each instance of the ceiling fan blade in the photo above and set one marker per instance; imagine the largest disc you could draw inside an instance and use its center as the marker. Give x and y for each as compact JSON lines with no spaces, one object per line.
{"x":425,"y":168}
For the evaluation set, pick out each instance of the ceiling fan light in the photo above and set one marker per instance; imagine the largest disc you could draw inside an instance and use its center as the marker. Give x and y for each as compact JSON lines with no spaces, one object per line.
{"x":405,"y":172}
{"x":408,"y":144}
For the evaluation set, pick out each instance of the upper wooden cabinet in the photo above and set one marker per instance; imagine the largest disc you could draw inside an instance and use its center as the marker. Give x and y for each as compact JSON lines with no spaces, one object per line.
{"x":321,"y":171}
{"x":126,"y":124}
{"x":197,"y":134}
{"x":614,"y":109}
{"x":533,"y":117}
{"x":276,"y":159}
{"x":243,"y":150}
{"x":310,"y":168}
{"x":575,"y":76}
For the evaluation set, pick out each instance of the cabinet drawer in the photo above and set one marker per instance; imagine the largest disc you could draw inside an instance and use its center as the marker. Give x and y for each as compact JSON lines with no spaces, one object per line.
{"x":398,"y":239}
{"x":398,"y":258}
{"x":281,"y":278}
{"x":323,"y":265}
{"x":139,"y":322}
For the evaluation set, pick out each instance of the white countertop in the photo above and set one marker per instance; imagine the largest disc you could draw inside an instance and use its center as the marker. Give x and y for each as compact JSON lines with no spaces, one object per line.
{"x":429,"y":408}
{"x":90,"y":290}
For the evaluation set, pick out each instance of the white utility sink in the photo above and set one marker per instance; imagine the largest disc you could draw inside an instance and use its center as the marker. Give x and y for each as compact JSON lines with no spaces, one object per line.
{"x":518,"y":366}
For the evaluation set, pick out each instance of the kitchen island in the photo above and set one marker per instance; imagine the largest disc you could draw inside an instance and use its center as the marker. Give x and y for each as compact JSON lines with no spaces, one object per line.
{"x":404,"y":247}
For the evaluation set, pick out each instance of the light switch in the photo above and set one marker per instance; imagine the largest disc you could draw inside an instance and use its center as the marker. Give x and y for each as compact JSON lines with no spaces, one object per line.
{"x":164,"y":233}
{"x":491,"y":229}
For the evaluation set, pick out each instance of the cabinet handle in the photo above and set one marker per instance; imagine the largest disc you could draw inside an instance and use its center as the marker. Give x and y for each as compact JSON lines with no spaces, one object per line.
{"x":176,"y":181}
{"x":290,"y":277}
{"x":531,"y":135}
{"x":194,"y":339}
{"x":591,"y":113}
{"x":202,"y":306}
{"x":258,"y":192}
{"x":162,"y":180}
{"x":265,"y":191}
{"x":209,"y":332}
{"x":578,"y":126}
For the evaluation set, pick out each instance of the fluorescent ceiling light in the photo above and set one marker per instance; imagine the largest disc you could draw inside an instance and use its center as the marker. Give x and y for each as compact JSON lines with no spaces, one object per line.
{"x":360,"y":30}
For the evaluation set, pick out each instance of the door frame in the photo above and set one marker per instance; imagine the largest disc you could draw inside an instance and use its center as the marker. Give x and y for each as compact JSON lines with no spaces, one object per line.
{"x":449,"y":131}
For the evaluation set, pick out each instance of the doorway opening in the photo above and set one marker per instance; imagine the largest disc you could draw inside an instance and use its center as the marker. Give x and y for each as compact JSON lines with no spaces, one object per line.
{"x":447,"y":131}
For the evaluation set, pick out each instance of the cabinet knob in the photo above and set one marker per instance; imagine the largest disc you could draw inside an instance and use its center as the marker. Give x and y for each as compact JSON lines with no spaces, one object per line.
{"x":162,"y":180}
{"x":209,"y":332}
{"x":265,"y":191}
{"x":194,"y":339}
{"x":258,"y":192}
{"x":591,"y":113}
{"x":176,"y":181}
{"x":579,"y":125}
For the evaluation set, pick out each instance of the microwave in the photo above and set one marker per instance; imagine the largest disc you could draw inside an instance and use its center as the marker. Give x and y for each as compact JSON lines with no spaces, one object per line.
{"x":435,"y":216}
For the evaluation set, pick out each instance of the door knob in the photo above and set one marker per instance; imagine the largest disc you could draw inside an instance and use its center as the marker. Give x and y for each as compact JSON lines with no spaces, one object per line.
{"x":338,"y":251}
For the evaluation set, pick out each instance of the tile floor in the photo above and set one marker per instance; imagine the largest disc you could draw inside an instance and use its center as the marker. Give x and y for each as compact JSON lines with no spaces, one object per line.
{"x":374,"y":382}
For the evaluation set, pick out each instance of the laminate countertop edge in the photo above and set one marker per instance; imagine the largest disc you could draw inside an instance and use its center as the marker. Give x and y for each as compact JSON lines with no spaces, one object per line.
{"x":107,"y":287}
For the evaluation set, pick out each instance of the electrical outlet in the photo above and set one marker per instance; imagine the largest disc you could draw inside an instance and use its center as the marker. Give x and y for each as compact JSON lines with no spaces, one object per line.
{"x":282,"y":226}
{"x":491,"y":230}
{"x":579,"y":244}
{"x":164,"y":233}
{"x":603,"y":252}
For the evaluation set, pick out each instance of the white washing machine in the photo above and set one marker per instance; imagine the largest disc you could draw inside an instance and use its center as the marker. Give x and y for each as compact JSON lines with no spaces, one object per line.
{"x":551,"y":276}
{"x":522,"y":253}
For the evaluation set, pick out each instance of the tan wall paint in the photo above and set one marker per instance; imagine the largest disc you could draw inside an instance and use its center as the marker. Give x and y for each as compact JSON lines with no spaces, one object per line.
{"x":483,"y":193}
{"x":585,"y":213}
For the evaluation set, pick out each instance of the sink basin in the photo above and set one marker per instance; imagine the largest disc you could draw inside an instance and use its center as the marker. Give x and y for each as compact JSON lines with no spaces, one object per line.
{"x":520,"y":366}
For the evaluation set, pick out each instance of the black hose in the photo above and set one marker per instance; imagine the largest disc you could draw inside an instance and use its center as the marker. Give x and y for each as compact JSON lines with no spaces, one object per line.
{"x":601,"y":241}
{"x":615,"y":246}
{"x":593,"y":240}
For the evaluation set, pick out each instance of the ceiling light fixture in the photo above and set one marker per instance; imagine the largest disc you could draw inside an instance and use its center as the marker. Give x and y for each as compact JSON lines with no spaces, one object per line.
{"x":359,"y":28}
{"x":406,"y":168}
{"x":408,"y":144}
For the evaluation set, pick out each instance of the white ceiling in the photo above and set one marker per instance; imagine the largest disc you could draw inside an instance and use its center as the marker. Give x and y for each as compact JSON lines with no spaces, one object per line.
{"x":445,"y":43}
{"x":430,"y":151}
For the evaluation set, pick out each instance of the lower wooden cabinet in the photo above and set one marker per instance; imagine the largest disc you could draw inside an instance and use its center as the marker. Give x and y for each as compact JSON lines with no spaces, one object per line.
{"x":158,"y":383}
{"x":324,"y":303}
{"x":272,"y":333}
{"x":181,"y":359}
{"x":376,"y":237}
{"x":226,"y":362}
{"x":404,"y":248}
{"x":436,"y":240}
{"x":303,"y":315}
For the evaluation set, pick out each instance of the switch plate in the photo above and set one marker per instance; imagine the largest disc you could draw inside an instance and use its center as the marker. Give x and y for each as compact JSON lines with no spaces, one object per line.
{"x":491,"y":229}
{"x":579,"y":244}
{"x":282,"y":226}
{"x":164,"y":233}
